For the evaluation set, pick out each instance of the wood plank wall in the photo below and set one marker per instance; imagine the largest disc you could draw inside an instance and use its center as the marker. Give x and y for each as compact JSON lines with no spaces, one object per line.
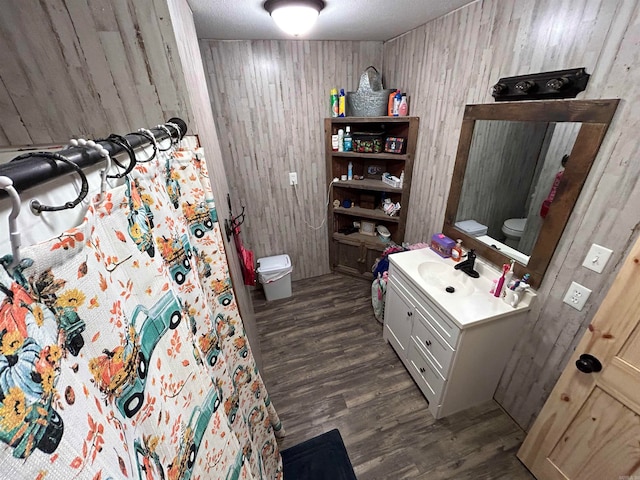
{"x":86,"y":68}
{"x":204,"y":125}
{"x":453,"y":61}
{"x":269,"y":100}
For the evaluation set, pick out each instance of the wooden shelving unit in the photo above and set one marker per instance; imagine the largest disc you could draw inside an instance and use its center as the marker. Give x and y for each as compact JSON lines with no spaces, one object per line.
{"x":355,"y":253}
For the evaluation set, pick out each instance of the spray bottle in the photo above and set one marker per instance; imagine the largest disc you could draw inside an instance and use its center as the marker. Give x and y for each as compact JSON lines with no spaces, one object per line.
{"x":335,"y":108}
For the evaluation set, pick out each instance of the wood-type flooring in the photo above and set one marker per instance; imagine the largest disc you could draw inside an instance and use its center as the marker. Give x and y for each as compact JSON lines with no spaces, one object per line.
{"x":327,"y":366}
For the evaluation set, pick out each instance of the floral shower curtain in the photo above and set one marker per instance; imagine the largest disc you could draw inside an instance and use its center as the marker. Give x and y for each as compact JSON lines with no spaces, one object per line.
{"x":122,"y":352}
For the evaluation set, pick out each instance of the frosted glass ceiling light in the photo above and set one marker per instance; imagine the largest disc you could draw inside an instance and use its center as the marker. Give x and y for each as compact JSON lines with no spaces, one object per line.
{"x":295,"y":17}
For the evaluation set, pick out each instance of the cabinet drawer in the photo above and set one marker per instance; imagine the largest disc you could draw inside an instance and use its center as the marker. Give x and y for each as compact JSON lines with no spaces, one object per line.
{"x":442,"y":325}
{"x":439,"y":351}
{"x":440,"y":322}
{"x":429,"y":381}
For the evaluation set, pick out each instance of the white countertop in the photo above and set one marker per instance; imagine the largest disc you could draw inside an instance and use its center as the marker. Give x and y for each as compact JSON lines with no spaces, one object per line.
{"x":466,"y":309}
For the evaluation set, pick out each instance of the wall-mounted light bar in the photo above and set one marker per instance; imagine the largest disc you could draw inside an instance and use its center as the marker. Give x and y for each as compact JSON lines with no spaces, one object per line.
{"x":537,"y":86}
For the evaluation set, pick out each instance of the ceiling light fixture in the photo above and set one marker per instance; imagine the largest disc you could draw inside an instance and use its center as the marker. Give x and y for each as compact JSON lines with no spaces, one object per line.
{"x":295,"y":17}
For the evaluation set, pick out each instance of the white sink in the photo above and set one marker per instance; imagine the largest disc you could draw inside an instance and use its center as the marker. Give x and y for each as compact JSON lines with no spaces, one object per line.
{"x":443,"y":276}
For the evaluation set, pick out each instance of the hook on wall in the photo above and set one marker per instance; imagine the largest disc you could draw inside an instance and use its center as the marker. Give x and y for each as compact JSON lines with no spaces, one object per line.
{"x":233,"y":223}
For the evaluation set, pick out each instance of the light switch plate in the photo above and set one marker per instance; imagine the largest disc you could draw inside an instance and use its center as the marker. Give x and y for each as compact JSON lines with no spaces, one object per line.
{"x":576,"y":296}
{"x":597,"y":258}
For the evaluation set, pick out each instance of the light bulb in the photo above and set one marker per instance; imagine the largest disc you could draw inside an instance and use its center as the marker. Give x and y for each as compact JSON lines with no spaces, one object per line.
{"x":295,"y":19}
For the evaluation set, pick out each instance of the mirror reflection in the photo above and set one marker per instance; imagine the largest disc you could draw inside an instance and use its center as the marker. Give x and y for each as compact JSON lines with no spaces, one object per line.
{"x":512,"y":177}
{"x":509,"y":159}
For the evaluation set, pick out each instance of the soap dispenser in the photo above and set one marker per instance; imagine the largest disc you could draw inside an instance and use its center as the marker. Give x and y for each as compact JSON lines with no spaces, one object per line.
{"x":456,"y":252}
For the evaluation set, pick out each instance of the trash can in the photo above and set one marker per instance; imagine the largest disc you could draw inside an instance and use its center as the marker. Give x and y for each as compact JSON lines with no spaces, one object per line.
{"x":274,"y":274}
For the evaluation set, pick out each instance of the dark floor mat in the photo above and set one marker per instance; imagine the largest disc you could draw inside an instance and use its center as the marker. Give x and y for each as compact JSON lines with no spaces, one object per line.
{"x":321,"y":458}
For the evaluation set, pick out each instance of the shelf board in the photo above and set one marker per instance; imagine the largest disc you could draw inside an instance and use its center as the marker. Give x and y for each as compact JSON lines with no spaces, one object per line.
{"x":367,"y":184}
{"x":349,"y":120}
{"x":377,"y":214}
{"x":377,"y":156}
{"x":369,"y":240}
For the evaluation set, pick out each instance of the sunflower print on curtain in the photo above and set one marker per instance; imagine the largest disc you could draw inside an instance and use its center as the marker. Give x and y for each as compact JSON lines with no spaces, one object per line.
{"x":183,"y":176}
{"x":105,"y":365}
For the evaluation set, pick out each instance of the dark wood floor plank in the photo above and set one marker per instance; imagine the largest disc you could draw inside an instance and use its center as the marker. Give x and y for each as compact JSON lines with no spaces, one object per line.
{"x":326,"y":366}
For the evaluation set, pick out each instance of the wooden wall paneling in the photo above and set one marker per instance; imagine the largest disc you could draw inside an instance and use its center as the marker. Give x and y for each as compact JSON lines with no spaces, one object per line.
{"x":188,"y":51}
{"x":91,"y":75}
{"x":92,"y":68}
{"x":453,"y":61}
{"x":269,"y":100}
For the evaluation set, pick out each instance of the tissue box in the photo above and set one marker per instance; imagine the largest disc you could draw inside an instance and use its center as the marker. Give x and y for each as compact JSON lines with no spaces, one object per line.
{"x":442,"y":245}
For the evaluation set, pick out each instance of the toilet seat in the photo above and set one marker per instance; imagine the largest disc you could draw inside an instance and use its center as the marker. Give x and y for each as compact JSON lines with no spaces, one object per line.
{"x":514,"y":226}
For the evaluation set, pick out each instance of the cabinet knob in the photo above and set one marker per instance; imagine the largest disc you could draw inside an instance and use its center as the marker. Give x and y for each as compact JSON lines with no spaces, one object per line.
{"x":410,"y":314}
{"x":427,"y":343}
{"x":422,"y":370}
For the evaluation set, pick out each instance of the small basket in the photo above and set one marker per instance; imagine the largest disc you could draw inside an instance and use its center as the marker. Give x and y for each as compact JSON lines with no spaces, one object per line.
{"x":390,"y":180}
{"x":370,"y":100}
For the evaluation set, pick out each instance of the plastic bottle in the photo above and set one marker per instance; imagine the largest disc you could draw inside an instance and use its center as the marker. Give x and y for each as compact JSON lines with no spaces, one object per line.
{"x":402,"y":179}
{"x":403,"y":109}
{"x":348,"y":141}
{"x":342,"y":103}
{"x":396,"y":103}
{"x":456,"y":252}
{"x":350,"y":171}
{"x":334,"y":102}
{"x":341,"y":140}
{"x":392,"y":96}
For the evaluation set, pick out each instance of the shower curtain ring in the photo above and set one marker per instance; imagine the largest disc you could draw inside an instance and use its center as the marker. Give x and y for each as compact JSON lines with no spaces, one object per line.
{"x":104,"y":153}
{"x":144,"y":133}
{"x":168,"y":132}
{"x":14,"y":235}
{"x":36,"y":207}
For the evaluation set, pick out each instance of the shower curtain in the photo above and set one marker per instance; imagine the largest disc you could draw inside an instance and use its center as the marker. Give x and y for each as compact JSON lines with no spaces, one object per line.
{"x":122,"y":352}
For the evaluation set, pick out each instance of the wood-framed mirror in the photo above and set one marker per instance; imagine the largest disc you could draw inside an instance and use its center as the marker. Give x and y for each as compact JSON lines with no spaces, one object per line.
{"x":519,"y":170}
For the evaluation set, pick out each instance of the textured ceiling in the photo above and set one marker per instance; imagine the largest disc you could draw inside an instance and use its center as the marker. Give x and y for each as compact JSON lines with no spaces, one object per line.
{"x":340,"y":19}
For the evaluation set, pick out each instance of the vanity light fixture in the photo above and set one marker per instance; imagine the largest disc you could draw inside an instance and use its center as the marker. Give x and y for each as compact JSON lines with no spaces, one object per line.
{"x":537,"y":86}
{"x":295,"y":17}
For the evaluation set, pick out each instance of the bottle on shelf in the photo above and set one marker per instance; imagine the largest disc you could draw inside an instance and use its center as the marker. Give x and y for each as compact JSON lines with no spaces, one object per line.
{"x":396,"y":103}
{"x":342,"y":112}
{"x":350,"y":171}
{"x":348,"y":140}
{"x":334,"y":102}
{"x":341,"y":140}
{"x":392,"y":97}
{"x":403,"y":109}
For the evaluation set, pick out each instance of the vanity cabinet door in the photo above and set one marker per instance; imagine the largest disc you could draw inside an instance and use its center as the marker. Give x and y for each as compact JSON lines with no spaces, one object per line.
{"x":398,"y":319}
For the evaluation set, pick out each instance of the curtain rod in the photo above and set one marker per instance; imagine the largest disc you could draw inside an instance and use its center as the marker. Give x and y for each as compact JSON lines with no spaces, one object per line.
{"x":33,"y":171}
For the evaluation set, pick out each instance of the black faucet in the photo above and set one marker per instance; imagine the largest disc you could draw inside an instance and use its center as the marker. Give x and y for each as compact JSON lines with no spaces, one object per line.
{"x":467,"y":265}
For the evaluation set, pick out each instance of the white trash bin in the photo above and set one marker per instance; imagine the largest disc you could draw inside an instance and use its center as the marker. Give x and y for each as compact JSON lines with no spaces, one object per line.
{"x":274,"y":274}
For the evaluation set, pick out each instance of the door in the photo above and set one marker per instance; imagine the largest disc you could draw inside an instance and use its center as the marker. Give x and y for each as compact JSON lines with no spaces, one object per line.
{"x":589,"y":428}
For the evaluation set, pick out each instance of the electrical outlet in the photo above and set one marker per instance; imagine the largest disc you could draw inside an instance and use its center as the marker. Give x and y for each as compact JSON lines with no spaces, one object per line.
{"x":293,"y":178}
{"x":576,"y":296}
{"x":597,"y":258}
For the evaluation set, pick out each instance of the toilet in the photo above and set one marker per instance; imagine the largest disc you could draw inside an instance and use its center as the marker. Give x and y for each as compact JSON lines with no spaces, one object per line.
{"x":512,"y":228}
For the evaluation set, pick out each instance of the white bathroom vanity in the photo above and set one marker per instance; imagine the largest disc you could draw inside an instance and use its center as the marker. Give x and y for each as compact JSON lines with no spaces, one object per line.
{"x":454,"y":345}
